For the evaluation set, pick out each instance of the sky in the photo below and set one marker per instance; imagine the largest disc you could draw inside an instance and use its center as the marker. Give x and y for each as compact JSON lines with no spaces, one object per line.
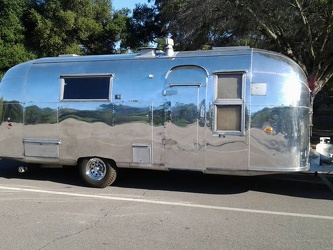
{"x":118,"y":4}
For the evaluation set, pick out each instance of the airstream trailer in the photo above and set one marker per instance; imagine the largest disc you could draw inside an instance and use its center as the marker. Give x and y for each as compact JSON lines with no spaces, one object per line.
{"x":233,"y":110}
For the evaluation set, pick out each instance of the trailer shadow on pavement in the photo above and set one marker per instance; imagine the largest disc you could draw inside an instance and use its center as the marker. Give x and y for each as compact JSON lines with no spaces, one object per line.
{"x":295,"y":185}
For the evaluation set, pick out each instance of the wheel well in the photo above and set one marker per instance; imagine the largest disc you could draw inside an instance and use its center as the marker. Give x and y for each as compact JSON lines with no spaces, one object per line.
{"x":103,"y":158}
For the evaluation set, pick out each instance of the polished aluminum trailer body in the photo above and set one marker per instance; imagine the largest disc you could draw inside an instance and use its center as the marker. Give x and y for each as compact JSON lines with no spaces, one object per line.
{"x":228,"y":110}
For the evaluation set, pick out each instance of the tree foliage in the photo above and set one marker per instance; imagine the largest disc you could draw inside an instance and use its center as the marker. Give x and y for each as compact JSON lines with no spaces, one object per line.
{"x":38,"y":28}
{"x":144,"y":26}
{"x":13,"y":48}
{"x":73,"y":26}
{"x":300,"y":29}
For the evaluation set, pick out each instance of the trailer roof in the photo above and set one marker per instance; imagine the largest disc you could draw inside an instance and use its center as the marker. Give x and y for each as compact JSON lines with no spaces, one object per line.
{"x":220,"y":51}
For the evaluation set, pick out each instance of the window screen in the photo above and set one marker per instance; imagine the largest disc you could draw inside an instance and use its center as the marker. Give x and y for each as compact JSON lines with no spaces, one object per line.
{"x":86,"y":88}
{"x":229,"y":103}
{"x":229,"y":117}
{"x":229,"y":86}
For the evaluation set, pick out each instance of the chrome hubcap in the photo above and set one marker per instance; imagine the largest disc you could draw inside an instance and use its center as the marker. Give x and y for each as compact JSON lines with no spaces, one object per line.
{"x":96,"y":169}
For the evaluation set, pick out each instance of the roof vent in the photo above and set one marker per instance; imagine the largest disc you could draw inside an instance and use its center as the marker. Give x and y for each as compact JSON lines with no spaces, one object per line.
{"x":68,"y":55}
{"x":147,"y":52}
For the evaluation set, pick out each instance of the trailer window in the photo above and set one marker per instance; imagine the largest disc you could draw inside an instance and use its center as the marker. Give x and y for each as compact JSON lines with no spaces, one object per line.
{"x":229,"y":86}
{"x":228,"y":117}
{"x":186,"y":75}
{"x":229,"y":103}
{"x":86,"y":88}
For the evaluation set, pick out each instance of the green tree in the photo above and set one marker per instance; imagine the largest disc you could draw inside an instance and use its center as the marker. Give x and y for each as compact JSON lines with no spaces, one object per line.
{"x":143,"y":27}
{"x":300,"y":29}
{"x":73,"y":26}
{"x":13,"y":48}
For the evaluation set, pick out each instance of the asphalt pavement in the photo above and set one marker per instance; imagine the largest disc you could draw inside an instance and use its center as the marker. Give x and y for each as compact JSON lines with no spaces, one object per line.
{"x":52,"y":209}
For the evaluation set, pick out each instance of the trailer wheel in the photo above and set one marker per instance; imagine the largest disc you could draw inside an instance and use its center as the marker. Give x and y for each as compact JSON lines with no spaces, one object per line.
{"x":97,"y":172}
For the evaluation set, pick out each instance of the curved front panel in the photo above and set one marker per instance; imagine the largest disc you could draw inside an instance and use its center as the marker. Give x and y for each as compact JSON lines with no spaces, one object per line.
{"x":278,"y":139}
{"x":280,"y":115}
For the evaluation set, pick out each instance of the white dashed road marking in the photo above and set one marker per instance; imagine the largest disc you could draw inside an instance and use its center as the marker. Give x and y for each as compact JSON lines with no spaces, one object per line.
{"x":180,"y":204}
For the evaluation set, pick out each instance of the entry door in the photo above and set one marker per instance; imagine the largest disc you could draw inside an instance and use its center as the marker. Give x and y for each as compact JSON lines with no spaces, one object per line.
{"x":184,"y":137}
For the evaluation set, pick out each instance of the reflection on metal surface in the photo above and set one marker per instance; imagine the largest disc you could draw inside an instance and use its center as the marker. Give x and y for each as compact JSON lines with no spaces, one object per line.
{"x":286,"y":145}
{"x":11,"y":128}
{"x":162,"y":112}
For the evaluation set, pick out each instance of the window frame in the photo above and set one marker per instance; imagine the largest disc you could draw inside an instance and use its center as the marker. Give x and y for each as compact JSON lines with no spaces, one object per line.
{"x":62,"y":89}
{"x":186,"y":67}
{"x":219,"y":102}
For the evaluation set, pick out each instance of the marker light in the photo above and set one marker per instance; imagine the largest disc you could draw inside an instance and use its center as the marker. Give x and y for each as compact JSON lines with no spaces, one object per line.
{"x":268,"y":130}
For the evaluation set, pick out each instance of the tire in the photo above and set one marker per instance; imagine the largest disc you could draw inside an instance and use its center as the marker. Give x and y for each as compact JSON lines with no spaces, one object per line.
{"x":97,"y":172}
